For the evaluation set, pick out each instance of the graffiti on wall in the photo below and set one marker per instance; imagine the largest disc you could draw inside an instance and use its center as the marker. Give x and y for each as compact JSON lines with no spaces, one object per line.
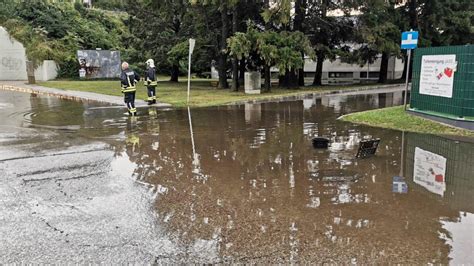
{"x":99,"y":63}
{"x":11,"y":63}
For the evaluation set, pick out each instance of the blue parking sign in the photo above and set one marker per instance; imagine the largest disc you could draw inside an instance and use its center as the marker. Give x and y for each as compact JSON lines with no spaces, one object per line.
{"x":409,"y":39}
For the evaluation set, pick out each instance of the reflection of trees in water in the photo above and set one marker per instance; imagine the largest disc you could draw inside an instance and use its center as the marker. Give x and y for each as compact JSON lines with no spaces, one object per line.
{"x":281,"y":200}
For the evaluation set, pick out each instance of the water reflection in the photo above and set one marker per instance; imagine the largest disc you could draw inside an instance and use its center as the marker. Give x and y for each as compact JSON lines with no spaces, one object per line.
{"x":269,"y":197}
{"x":443,"y":167}
{"x":243,"y":183}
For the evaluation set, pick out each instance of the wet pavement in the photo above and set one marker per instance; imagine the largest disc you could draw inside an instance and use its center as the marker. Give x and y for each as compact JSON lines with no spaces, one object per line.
{"x":23,"y":86}
{"x":84,"y":183}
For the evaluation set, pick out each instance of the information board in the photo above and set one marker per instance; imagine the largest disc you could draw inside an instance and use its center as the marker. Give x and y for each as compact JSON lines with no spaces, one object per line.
{"x":99,"y":63}
{"x":437,"y":75}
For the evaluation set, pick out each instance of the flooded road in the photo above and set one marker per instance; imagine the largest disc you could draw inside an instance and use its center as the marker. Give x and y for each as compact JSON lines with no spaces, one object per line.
{"x":84,"y":183}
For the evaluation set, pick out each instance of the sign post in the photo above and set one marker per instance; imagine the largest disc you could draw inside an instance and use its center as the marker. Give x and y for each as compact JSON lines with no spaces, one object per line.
{"x":192,"y":42}
{"x":406,"y":79}
{"x":409,"y":42}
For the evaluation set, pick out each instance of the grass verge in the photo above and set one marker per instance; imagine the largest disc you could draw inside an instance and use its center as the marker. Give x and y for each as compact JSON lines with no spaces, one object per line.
{"x":397,"y":118}
{"x":202,"y":92}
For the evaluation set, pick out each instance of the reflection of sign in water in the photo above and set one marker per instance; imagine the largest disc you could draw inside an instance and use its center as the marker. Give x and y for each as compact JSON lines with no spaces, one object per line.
{"x":399,"y":185}
{"x":99,"y":63}
{"x":429,"y":171}
{"x":437,"y":75}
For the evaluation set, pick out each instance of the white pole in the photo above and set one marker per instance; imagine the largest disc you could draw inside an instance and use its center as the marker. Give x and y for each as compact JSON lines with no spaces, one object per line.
{"x":192,"y":42}
{"x":406,"y":81}
{"x":189,"y":74}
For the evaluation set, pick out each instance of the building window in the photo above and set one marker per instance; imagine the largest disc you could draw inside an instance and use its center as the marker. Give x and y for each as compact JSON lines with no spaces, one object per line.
{"x":372,"y":75}
{"x":341,"y":74}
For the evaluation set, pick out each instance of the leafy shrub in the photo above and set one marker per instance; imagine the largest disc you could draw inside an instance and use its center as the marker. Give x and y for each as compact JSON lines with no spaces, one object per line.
{"x":56,"y":30}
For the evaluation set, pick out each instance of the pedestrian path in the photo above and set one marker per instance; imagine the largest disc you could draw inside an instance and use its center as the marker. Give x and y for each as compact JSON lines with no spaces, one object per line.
{"x":22,"y":86}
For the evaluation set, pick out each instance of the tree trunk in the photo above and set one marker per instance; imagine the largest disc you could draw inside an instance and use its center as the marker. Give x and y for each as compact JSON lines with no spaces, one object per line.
{"x":292,"y":78}
{"x":413,"y":13}
{"x":301,"y":75}
{"x":174,"y":73}
{"x":222,"y":62}
{"x":282,"y":81}
{"x":405,"y":65}
{"x":383,"y":68}
{"x":320,"y":55}
{"x":235,"y":73}
{"x":300,"y":14}
{"x":242,"y":70}
{"x":318,"y":74}
{"x":267,"y":76}
{"x":289,"y":80}
{"x":235,"y":61}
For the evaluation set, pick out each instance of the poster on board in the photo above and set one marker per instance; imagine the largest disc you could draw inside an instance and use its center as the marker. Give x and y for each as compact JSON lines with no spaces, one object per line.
{"x":430,"y":171}
{"x":99,"y":63}
{"x":437,"y":75}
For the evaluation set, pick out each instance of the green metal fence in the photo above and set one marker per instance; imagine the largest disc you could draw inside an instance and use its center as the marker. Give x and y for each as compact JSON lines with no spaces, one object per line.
{"x":461,"y":104}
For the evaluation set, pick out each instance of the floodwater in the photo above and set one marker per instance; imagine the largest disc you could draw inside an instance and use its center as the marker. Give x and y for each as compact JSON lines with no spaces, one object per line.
{"x":80,"y":182}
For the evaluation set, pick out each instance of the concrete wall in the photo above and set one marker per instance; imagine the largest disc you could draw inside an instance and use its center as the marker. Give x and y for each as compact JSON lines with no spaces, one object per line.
{"x":12,"y":58}
{"x":13,"y":61}
{"x":46,"y":71}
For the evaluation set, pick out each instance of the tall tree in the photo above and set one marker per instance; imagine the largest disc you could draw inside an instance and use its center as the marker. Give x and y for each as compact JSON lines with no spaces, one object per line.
{"x":439,"y":22}
{"x":278,"y":15}
{"x":445,"y":22}
{"x":409,"y":20}
{"x":298,"y":25}
{"x":267,"y":75}
{"x":379,"y":31}
{"x":271,"y":48}
{"x":223,"y":6}
{"x":328,"y":34}
{"x":157,"y":27}
{"x":235,"y":60}
{"x":222,"y":60}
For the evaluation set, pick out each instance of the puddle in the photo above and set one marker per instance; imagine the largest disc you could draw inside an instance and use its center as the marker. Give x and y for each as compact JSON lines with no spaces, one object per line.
{"x":244,"y":184}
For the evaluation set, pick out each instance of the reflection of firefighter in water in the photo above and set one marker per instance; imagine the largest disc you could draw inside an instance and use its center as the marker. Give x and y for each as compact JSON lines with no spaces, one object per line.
{"x":152,"y":112}
{"x":133,"y":140}
{"x":153,"y":124}
{"x":150,"y":81}
{"x":128,"y":80}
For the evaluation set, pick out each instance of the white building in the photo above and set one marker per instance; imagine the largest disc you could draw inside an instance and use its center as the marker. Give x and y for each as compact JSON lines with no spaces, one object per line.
{"x":338,"y":72}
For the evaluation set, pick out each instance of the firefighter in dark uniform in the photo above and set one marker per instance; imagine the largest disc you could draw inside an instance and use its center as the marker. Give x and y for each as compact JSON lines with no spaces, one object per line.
{"x":150,"y":81}
{"x":128,"y":80}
